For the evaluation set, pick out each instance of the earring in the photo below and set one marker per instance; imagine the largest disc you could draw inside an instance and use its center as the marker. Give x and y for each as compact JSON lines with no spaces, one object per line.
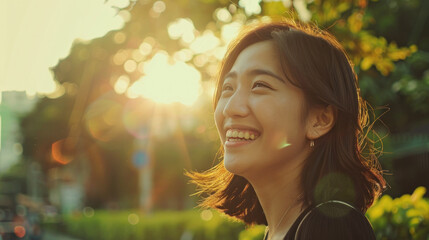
{"x":312,"y":143}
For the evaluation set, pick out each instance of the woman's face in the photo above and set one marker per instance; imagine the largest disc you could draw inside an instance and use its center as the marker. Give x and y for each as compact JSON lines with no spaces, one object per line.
{"x":259,"y":115}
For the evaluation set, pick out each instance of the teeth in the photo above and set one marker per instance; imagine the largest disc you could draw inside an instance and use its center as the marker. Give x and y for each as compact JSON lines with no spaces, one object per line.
{"x":239,"y":134}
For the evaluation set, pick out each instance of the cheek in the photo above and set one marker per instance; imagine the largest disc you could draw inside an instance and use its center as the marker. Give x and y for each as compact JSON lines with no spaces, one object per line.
{"x":284,"y":122}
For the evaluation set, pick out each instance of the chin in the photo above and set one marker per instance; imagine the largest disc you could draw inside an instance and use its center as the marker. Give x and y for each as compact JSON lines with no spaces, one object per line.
{"x":232,"y":165}
{"x":235,"y":166}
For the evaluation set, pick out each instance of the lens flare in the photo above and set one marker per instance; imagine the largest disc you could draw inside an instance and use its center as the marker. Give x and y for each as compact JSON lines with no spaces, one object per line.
{"x":335,"y":186}
{"x":103,"y":117}
{"x":167,"y":82}
{"x":284,"y":144}
{"x":137,"y":116}
{"x":57,"y":151}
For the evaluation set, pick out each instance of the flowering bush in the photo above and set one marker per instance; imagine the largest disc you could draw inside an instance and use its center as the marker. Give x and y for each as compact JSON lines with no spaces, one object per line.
{"x":406,"y":217}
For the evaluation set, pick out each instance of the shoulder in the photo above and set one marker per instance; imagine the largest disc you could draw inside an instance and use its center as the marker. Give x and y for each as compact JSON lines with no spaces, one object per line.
{"x":334,"y":220}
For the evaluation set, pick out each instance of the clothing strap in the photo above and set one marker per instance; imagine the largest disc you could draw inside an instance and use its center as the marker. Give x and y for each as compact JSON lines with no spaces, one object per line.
{"x":308,"y":213}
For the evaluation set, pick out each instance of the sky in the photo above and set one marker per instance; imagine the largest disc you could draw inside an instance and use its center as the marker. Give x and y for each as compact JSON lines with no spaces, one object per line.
{"x":36,"y":34}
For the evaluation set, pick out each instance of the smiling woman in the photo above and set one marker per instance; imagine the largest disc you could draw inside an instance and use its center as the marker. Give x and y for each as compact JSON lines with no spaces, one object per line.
{"x":290,"y":120}
{"x":253,"y":92}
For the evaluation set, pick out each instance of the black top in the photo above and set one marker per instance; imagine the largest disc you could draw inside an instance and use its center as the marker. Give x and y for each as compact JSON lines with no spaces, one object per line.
{"x":333,"y":220}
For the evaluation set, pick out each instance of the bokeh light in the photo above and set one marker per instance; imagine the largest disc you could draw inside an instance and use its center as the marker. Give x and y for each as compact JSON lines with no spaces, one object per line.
{"x":19,"y":231}
{"x":251,"y":7}
{"x":121,"y":85}
{"x":130,"y":66}
{"x":183,"y":55}
{"x":88,"y":212}
{"x":102,"y":118}
{"x":120,"y":57}
{"x":57,"y":151}
{"x":137,"y":55}
{"x":145,"y":48}
{"x":230,"y":31}
{"x":159,"y":6}
{"x":208,"y":41}
{"x":200,"y":60}
{"x":301,"y":7}
{"x":182,"y":28}
{"x":206,"y":215}
{"x":133,"y":219}
{"x":223,"y":15}
{"x":119,"y":37}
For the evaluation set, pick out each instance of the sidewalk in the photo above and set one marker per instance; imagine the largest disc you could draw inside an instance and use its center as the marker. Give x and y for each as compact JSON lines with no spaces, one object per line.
{"x":50,"y":235}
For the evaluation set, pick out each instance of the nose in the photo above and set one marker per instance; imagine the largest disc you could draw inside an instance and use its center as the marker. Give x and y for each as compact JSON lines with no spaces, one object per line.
{"x":237,"y":105}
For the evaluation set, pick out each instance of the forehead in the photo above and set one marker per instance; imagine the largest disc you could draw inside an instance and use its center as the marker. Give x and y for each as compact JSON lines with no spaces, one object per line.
{"x":258,"y":55}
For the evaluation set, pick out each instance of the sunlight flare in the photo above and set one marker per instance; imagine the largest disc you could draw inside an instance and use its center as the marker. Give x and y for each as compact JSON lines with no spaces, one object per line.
{"x":167,"y":82}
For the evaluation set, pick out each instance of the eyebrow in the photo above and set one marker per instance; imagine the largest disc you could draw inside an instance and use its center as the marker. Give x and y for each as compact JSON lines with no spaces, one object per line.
{"x":256,"y":72}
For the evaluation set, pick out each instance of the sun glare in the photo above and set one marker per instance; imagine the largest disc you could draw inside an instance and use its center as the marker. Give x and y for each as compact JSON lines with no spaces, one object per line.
{"x":167,"y":82}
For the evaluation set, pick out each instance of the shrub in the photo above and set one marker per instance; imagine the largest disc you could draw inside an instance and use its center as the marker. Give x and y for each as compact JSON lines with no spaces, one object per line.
{"x":128,"y":225}
{"x":406,"y":217}
{"x":254,"y":232}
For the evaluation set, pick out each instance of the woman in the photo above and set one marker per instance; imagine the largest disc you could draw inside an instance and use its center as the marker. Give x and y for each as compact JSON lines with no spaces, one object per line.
{"x":290,"y":119}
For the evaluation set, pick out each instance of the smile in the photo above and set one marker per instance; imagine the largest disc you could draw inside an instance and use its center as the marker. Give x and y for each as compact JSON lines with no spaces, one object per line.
{"x":234,"y":135}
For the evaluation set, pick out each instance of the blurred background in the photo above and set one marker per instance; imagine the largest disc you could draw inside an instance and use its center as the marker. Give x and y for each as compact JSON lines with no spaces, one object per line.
{"x":105,"y":104}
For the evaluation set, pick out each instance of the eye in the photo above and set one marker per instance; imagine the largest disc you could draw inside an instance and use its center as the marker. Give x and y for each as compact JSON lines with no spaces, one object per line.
{"x":226,"y":87}
{"x":261,"y":84}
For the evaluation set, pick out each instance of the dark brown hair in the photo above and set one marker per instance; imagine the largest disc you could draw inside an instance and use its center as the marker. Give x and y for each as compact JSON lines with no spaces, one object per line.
{"x":337,"y":168}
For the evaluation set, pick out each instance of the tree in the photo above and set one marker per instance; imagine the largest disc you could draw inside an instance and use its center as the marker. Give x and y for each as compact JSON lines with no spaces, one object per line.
{"x":106,"y":125}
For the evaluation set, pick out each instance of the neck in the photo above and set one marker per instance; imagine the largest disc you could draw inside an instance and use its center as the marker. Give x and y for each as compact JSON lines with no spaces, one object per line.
{"x":277,"y":192}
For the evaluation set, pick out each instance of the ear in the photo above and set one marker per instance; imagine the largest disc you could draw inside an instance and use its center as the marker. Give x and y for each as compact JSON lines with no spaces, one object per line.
{"x":320,"y":121}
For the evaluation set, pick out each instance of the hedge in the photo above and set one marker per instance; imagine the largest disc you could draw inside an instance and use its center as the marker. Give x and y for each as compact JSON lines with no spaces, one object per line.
{"x":132,"y":225}
{"x":406,"y":217}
